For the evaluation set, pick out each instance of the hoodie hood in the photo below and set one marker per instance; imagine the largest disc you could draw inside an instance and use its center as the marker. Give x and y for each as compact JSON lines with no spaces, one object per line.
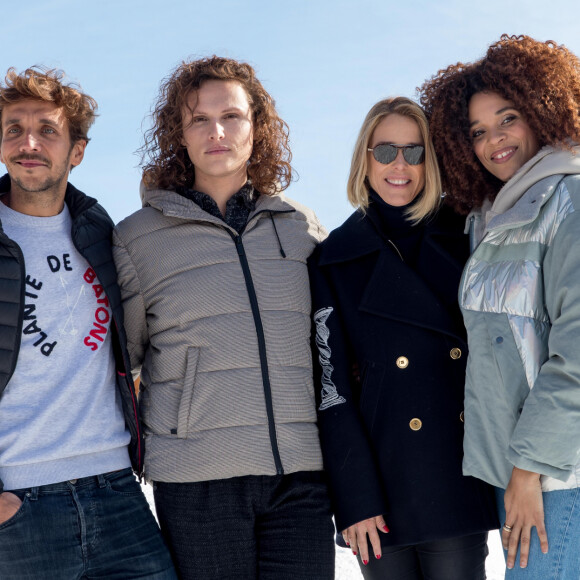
{"x":547,"y":162}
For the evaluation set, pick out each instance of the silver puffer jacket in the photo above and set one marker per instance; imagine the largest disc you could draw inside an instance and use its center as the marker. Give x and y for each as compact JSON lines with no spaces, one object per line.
{"x":520,"y":297}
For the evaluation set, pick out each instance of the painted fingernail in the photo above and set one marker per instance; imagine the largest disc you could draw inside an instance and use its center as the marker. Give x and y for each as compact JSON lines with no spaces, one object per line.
{"x":348,"y":543}
{"x":386,"y":529}
{"x":365,"y":562}
{"x":378,"y":556}
{"x":354,"y":552}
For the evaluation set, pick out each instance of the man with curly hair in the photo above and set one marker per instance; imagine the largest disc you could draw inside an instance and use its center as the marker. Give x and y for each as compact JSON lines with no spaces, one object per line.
{"x":216,"y":294}
{"x":70,"y":506}
{"x":507,"y":132}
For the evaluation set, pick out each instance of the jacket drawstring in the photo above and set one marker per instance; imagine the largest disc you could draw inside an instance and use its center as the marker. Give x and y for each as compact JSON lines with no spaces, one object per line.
{"x":282,"y":252}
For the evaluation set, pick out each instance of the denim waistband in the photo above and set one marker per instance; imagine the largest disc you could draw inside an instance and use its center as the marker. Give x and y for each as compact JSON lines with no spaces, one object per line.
{"x":99,"y":480}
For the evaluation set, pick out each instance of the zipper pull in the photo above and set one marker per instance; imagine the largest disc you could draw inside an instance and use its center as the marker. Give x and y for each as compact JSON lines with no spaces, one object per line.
{"x":472,"y":242}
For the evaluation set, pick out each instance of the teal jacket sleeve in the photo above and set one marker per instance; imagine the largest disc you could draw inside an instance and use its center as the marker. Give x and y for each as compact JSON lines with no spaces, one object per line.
{"x":547,"y":436}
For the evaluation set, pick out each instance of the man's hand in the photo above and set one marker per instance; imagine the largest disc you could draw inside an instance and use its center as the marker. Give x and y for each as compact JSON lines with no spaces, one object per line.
{"x":9,"y":505}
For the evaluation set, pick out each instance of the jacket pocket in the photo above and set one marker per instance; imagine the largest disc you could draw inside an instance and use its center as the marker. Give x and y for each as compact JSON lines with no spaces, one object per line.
{"x":372,"y":378}
{"x":188,"y":387}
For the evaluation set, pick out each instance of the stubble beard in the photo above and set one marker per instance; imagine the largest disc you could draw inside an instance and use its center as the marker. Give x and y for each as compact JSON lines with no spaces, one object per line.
{"x":41,"y":193}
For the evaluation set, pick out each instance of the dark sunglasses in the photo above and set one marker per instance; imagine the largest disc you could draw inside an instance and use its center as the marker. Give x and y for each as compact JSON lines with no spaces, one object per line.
{"x":386,"y":153}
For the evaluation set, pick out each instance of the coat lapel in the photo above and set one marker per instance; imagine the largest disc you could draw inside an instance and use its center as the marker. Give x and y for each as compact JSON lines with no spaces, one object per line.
{"x":397,"y":291}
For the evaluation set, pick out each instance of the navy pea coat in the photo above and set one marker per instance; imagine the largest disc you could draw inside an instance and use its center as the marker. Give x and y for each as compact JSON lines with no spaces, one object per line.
{"x":390,"y":352}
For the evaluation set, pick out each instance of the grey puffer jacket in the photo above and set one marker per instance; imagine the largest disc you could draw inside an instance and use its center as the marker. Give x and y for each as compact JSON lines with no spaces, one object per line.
{"x":520,"y":297}
{"x":218,"y":325}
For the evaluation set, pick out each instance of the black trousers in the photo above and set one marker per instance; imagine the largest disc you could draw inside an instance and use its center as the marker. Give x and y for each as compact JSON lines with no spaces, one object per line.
{"x":461,"y":558}
{"x":266,"y":527}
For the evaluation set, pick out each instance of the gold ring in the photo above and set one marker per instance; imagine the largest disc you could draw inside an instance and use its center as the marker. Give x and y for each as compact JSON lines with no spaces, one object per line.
{"x":507,"y":528}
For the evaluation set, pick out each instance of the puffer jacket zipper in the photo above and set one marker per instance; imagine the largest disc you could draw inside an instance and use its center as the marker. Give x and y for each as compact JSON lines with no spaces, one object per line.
{"x":472,"y":242}
{"x":261,"y":348}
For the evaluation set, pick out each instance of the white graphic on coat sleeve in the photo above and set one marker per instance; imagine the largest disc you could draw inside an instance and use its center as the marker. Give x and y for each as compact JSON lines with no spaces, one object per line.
{"x":329,"y":393}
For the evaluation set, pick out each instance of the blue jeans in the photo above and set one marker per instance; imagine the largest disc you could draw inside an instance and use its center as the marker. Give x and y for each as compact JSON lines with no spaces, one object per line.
{"x":562,"y":521}
{"x":268,"y":527}
{"x":94,"y":527}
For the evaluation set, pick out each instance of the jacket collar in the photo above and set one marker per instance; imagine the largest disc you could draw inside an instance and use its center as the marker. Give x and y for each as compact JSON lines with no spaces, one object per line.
{"x":172,"y":204}
{"x":388,"y":293}
{"x":75,"y":199}
{"x":549,"y":162}
{"x":358,"y":237}
{"x":355,"y":238}
{"x":528,"y":206}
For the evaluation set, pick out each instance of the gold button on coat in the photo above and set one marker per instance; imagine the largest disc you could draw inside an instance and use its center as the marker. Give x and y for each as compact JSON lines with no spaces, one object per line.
{"x":415,"y":424}
{"x":462,"y":417}
{"x":455,"y":353}
{"x":402,"y":362}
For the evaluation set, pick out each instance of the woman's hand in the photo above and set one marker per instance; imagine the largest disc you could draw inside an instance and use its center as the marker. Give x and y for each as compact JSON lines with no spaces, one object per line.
{"x":524,"y":507}
{"x":9,"y":505}
{"x":356,"y":537}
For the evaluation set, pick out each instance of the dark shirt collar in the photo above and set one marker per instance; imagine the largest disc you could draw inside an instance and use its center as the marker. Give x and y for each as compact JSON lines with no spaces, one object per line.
{"x":238,"y":207}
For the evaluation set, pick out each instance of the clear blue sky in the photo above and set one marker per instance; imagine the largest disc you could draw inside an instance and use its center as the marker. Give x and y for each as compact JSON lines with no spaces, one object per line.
{"x":325,"y":62}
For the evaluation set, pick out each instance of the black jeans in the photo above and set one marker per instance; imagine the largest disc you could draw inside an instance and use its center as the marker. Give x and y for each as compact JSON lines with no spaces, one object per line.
{"x":461,"y":558}
{"x":266,"y":527}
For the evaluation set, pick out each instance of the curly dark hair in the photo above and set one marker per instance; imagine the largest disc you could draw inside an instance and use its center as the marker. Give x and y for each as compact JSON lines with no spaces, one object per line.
{"x":44,"y":84}
{"x":165,"y":161}
{"x":541,"y":79}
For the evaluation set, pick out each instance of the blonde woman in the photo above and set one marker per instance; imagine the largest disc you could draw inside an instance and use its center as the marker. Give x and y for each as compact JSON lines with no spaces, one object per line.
{"x":391,"y":363}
